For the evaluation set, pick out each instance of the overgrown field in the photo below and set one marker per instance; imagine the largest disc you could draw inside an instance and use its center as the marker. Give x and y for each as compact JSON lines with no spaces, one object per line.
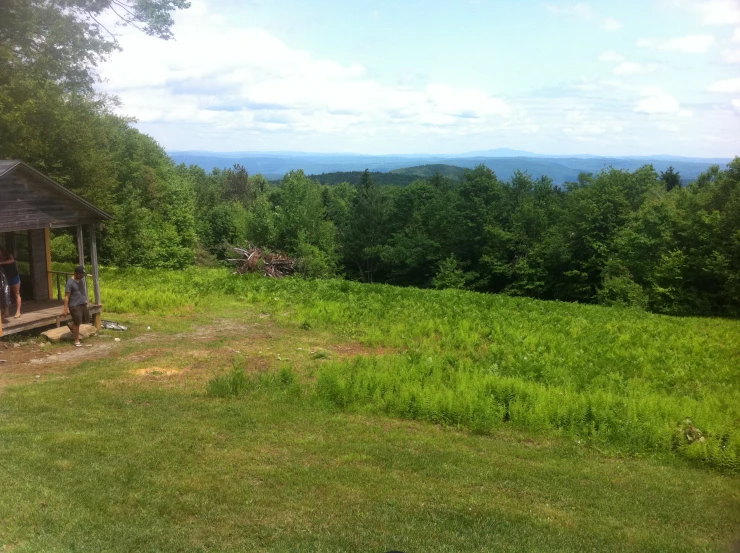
{"x":621,"y":380}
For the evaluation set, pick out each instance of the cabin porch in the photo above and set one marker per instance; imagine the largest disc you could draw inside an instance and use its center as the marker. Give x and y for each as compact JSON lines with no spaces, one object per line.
{"x":37,"y":314}
{"x":32,"y":204}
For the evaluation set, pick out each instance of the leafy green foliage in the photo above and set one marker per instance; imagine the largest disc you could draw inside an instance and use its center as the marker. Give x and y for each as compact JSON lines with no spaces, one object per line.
{"x":671,"y":178}
{"x":62,"y":42}
{"x":449,"y":275}
{"x":431,"y":170}
{"x":63,"y":249}
{"x":367,"y":229}
{"x":354,"y":178}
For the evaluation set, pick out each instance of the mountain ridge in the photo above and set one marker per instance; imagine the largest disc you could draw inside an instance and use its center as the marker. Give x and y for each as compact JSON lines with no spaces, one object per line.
{"x":273,"y":165}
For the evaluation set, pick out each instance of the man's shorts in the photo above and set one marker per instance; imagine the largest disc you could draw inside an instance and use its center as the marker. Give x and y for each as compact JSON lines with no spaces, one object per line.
{"x":80,"y":314}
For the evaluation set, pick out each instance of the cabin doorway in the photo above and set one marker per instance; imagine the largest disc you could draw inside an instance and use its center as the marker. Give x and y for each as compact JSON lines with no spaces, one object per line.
{"x":19,"y":244}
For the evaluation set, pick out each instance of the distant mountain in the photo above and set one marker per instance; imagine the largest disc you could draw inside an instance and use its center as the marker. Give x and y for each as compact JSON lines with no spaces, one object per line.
{"x":273,"y":165}
{"x":425,"y":171}
{"x":508,"y":152}
{"x":353,"y":177}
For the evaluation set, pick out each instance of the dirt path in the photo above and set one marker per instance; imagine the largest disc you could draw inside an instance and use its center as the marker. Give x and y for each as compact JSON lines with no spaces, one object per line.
{"x":263,"y":344}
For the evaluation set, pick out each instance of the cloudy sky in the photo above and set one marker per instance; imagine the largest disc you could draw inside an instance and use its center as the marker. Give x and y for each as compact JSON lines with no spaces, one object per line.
{"x":627,"y":77}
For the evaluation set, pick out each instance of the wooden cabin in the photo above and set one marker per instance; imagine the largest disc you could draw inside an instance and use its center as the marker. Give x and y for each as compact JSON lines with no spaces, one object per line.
{"x":30,"y":205}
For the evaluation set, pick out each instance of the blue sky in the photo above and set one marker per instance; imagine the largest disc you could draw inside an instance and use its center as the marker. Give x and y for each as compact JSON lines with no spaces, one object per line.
{"x":439,"y":76}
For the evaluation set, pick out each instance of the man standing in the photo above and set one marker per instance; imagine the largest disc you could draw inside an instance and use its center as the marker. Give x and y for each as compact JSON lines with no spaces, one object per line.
{"x":75,"y":302}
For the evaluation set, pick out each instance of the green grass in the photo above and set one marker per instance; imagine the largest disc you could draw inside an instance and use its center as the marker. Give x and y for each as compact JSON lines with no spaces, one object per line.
{"x":232,"y":425}
{"x":620,"y":379}
{"x":98,"y":462}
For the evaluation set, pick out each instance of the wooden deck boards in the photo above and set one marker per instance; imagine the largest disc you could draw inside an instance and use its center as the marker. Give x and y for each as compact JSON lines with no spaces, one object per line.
{"x":36,"y":314}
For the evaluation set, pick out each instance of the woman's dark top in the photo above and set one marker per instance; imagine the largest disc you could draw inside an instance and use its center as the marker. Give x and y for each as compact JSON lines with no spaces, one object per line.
{"x":10,"y":270}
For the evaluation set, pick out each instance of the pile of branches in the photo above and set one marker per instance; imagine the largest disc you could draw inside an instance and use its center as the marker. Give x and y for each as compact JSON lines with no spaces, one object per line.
{"x":270,"y":264}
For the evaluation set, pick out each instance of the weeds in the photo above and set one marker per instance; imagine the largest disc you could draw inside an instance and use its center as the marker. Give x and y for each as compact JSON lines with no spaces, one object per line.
{"x":616,"y":377}
{"x":233,"y":383}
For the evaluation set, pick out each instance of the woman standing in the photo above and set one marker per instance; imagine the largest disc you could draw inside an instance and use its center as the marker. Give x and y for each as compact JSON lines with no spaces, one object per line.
{"x":10,"y":268}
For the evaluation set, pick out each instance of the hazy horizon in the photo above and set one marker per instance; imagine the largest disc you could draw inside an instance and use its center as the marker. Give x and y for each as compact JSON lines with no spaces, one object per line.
{"x":500,"y":151}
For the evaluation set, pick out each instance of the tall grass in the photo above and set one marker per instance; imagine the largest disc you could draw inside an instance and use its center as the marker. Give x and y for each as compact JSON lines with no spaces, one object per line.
{"x":628,"y":379}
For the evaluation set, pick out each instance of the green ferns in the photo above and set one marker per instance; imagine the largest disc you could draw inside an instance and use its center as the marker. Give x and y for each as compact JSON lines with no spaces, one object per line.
{"x":617,"y":378}
{"x":447,"y":391}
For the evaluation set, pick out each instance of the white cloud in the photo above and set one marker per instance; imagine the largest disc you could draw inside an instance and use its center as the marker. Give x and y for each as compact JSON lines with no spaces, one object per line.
{"x":584,"y":13}
{"x":736,"y":36}
{"x":627,"y":68}
{"x":736,"y":104}
{"x":691,"y":44}
{"x":220,"y":86}
{"x":611,"y":24}
{"x":578,"y":11}
{"x":719,"y":12}
{"x":632,"y":68}
{"x":685,"y":113}
{"x":657,"y":101}
{"x":246,"y":80}
{"x":462,"y":102}
{"x":726,"y":85}
{"x":585,"y":131}
{"x":611,"y":56}
{"x":731,"y":56}
{"x":709,"y":12}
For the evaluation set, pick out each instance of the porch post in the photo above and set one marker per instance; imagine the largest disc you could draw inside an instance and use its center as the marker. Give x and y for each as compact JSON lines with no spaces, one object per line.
{"x":97,"y":317}
{"x":80,"y":247}
{"x":94,"y":261}
{"x":47,"y":246}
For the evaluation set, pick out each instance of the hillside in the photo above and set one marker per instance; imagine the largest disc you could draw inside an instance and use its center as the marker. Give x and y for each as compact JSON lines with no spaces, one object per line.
{"x":353,"y":177}
{"x":421,"y":420}
{"x":273,"y":165}
{"x":473,"y":369}
{"x":426,"y":171}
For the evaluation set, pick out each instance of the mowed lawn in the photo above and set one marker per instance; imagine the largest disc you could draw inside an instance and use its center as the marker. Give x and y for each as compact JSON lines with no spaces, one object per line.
{"x":126,"y":451}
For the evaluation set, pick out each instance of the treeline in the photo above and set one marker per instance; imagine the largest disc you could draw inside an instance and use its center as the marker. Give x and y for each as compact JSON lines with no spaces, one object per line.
{"x":615,"y":238}
{"x":354,"y":177}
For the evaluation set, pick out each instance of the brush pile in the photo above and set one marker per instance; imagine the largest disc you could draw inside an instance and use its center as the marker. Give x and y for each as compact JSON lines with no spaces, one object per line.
{"x":270,"y":264}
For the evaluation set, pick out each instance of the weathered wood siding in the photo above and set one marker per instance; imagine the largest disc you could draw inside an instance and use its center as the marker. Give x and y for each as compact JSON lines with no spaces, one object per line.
{"x":28,"y":202}
{"x":37,"y":243}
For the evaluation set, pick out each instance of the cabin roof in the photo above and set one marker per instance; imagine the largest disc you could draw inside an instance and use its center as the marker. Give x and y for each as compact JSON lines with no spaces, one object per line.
{"x":6,"y":165}
{"x":29,"y":199}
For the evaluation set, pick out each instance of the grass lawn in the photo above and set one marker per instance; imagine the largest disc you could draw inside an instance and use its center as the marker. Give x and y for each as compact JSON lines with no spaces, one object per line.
{"x":126,"y":451}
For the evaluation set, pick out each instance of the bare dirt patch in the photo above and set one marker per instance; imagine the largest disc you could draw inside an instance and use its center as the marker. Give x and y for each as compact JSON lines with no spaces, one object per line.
{"x":87,"y":351}
{"x":157,"y":371}
{"x":35,"y":361}
{"x":260,"y":343}
{"x":145,"y":355}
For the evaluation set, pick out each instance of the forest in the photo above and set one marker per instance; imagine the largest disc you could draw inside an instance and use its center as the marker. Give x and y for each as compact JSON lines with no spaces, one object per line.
{"x":615,"y":238}
{"x":636,"y":239}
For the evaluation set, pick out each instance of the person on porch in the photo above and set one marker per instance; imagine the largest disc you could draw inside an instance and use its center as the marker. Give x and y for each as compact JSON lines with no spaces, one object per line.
{"x":10,"y":268}
{"x":75,"y":303}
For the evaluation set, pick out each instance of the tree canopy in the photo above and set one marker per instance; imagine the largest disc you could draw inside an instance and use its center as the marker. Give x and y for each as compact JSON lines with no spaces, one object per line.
{"x":63,"y":40}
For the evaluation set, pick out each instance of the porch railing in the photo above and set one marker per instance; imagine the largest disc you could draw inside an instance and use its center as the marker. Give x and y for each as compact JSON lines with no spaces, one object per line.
{"x":60,"y":279}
